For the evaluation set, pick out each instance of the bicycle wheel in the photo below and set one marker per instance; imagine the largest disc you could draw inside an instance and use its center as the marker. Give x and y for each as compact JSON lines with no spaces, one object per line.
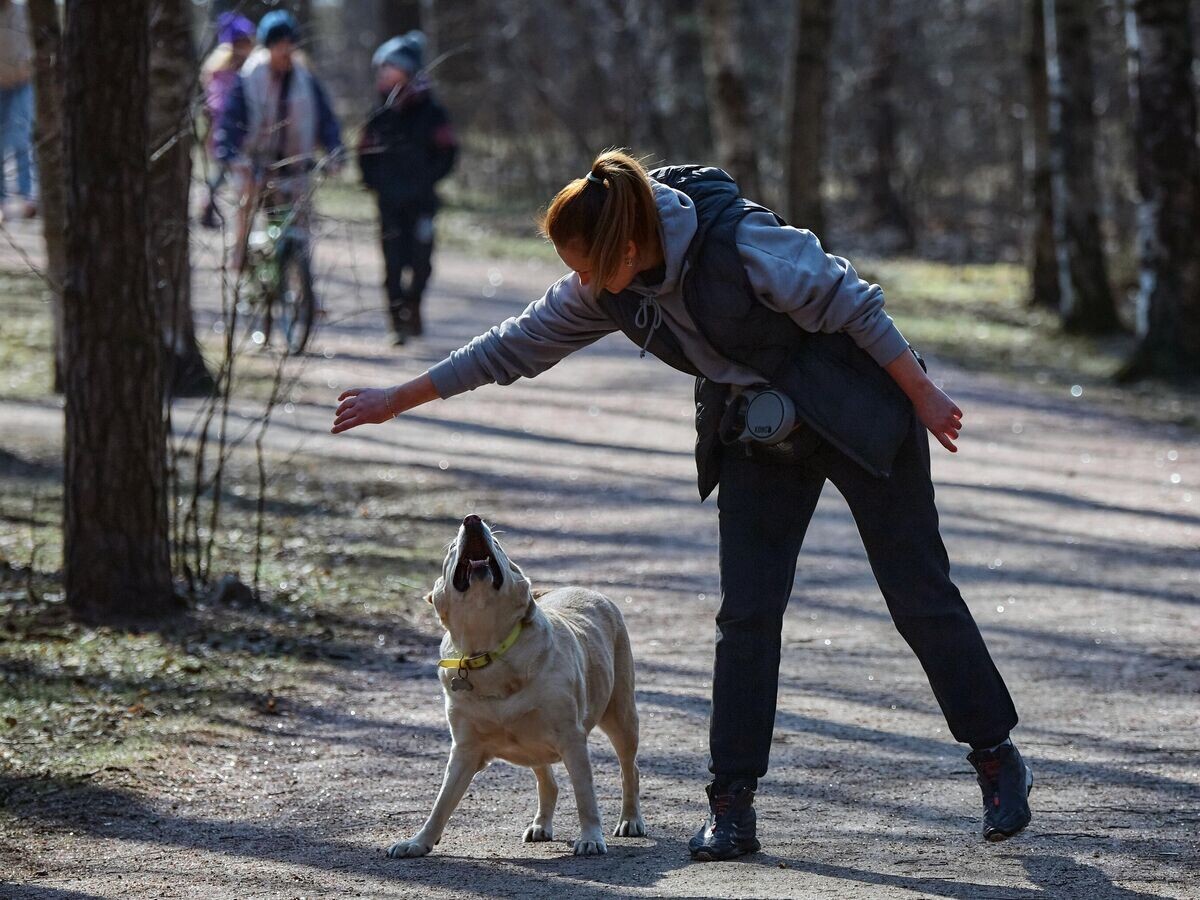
{"x":297,"y":302}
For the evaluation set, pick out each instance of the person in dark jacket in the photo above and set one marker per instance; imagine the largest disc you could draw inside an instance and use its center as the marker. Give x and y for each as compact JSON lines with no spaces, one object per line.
{"x":407,"y":147}
{"x":721,"y":288}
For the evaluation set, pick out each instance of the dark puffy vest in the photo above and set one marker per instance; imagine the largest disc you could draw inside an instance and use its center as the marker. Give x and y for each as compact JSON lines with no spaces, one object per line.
{"x":840,"y":392}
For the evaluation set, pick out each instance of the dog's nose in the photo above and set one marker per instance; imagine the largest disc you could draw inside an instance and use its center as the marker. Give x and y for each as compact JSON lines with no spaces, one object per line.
{"x":472,"y":520}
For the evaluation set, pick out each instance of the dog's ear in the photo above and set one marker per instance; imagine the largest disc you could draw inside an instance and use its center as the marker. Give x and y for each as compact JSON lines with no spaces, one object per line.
{"x":437,"y":588}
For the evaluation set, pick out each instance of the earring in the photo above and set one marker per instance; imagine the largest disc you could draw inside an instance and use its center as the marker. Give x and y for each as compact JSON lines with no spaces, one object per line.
{"x":629,"y":260}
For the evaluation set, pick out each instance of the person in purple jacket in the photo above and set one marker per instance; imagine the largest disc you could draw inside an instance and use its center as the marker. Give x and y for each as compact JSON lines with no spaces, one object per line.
{"x":802,"y":377}
{"x":218,"y":77}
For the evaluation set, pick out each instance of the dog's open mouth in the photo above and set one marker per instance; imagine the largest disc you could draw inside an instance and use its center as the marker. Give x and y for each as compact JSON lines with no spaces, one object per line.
{"x":475,"y":556}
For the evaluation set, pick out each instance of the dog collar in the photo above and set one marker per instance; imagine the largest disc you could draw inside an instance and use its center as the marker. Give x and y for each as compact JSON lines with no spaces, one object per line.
{"x":479,"y":660}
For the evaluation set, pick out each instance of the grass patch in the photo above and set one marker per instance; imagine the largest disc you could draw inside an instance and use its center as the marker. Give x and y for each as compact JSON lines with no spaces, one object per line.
{"x":345,"y":563}
{"x":26,"y":337}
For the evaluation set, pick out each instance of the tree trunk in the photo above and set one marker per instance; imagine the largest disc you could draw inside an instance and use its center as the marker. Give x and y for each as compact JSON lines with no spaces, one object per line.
{"x":397,"y":17}
{"x":686,"y":111}
{"x":728,"y":98}
{"x":888,"y":210}
{"x":115,"y":545}
{"x":1043,"y":274}
{"x":47,"y":42}
{"x":1168,"y":175}
{"x":1087,"y":300}
{"x":457,"y":39}
{"x":173,"y":87}
{"x":807,"y":91}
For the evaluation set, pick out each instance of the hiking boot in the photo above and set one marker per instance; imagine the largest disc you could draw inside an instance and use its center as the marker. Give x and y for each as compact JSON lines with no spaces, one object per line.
{"x":401,"y":316}
{"x":728,"y":832}
{"x":1006,"y":781}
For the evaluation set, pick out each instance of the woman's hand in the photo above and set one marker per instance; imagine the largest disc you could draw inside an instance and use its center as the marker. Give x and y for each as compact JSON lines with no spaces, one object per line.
{"x":363,"y":406}
{"x":936,"y":411}
{"x":940,"y":415}
{"x":373,"y":406}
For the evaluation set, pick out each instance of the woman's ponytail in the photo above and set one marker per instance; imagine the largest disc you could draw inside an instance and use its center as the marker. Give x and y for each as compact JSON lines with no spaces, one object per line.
{"x":602,"y":212}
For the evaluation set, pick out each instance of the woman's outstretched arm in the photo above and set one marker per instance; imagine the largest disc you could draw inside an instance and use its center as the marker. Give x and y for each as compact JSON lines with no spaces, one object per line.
{"x":372,"y":406}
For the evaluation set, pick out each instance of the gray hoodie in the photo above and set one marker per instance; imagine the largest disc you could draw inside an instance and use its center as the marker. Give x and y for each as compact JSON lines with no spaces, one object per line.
{"x":786,"y":267}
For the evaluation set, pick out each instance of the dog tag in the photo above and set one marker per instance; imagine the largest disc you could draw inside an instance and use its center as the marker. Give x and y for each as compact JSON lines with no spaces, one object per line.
{"x":458,"y":683}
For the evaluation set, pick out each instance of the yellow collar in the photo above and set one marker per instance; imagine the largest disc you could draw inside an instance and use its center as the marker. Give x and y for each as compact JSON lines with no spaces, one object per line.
{"x":479,"y":660}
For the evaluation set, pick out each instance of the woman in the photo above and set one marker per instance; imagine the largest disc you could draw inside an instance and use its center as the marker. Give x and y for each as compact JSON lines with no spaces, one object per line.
{"x":717,"y":286}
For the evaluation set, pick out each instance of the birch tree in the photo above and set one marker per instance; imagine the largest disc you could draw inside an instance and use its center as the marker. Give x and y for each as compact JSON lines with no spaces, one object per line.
{"x":1168,"y":175}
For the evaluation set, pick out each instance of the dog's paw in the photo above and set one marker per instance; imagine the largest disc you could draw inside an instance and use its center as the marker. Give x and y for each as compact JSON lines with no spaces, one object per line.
{"x":409,"y":848}
{"x":635,"y":827}
{"x":535,"y":833}
{"x":590,"y":848}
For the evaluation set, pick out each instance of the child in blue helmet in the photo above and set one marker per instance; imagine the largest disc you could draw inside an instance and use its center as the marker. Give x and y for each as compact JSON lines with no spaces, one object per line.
{"x":407,"y":146}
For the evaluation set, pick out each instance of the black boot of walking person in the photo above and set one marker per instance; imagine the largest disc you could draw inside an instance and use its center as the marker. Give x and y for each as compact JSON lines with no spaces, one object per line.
{"x":401,"y":316}
{"x":1006,"y":780}
{"x":729,"y":830}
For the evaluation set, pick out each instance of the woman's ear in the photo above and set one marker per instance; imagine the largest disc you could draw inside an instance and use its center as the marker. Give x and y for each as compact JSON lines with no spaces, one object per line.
{"x":631,"y":253}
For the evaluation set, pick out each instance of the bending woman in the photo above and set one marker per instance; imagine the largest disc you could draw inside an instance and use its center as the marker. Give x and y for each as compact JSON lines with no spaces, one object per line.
{"x":719,"y":287}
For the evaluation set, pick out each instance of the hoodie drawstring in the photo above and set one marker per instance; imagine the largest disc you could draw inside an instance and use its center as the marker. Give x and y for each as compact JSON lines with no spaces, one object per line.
{"x":649,"y":316}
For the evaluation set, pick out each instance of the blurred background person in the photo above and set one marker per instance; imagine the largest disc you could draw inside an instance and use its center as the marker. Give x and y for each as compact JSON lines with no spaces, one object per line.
{"x":218,"y":75}
{"x":406,"y":148}
{"x":276,"y":116}
{"x":16,"y":104}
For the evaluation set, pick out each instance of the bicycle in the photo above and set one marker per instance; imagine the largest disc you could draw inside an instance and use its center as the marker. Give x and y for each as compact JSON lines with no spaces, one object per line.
{"x":279,"y":268}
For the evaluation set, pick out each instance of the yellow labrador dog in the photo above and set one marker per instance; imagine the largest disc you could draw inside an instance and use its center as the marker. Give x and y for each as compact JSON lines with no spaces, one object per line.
{"x":526,"y":682}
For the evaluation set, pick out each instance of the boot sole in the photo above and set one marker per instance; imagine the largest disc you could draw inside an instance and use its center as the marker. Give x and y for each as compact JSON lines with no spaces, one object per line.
{"x":997,"y":835}
{"x":704,"y":854}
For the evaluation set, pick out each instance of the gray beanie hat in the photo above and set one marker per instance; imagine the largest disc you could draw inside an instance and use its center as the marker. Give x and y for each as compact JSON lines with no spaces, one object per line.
{"x":405,"y":52}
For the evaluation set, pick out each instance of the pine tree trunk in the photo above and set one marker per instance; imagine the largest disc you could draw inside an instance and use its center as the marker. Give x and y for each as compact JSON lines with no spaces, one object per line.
{"x":115,"y":544}
{"x":1043,"y":275}
{"x":457,"y":38}
{"x":1087,"y":303}
{"x":807,"y":92}
{"x":1168,"y":170}
{"x":727,"y":97}
{"x":690,"y":123}
{"x":888,"y":209}
{"x":397,"y":17}
{"x":47,"y":42}
{"x":173,"y":87}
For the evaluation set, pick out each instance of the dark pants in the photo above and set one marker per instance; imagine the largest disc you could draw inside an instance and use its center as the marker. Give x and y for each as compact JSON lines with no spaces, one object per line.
{"x":765,"y":507}
{"x":407,"y":237}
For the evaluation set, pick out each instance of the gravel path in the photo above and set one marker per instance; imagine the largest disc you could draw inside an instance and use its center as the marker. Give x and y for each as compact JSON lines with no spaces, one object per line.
{"x":1074,"y":536}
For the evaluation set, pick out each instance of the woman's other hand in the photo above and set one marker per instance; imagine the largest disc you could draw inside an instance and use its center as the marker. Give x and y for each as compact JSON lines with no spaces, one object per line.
{"x":936,"y":411}
{"x":940,"y":415}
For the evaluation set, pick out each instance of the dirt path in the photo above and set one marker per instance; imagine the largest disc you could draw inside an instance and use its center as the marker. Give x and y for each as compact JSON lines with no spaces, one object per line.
{"x":1074,"y":537}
